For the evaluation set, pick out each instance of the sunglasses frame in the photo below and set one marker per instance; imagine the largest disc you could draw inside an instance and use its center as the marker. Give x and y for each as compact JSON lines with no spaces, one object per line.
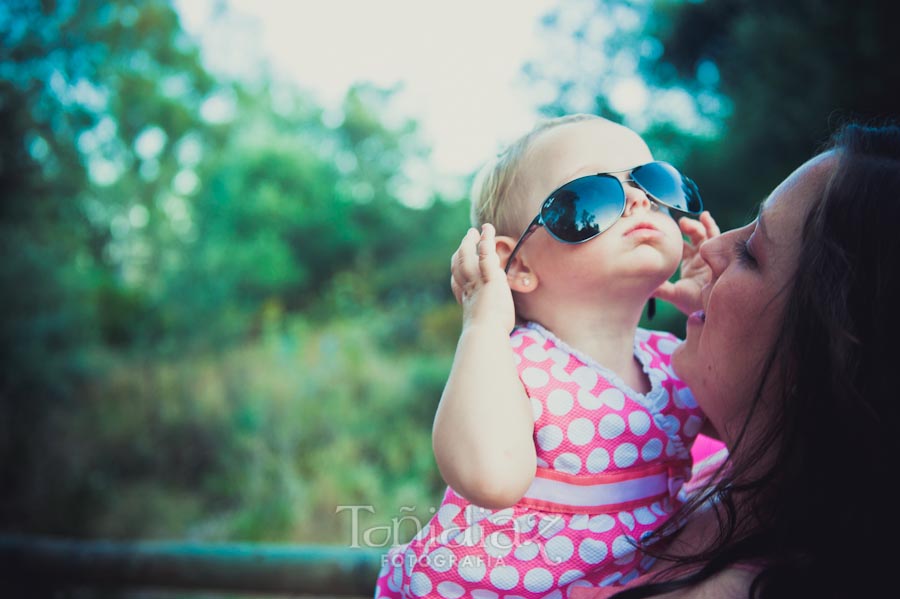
{"x":538,"y":221}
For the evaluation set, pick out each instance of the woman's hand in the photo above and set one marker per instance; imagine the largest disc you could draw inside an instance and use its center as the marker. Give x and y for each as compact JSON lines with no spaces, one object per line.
{"x":684,"y":294}
{"x":479,"y":282}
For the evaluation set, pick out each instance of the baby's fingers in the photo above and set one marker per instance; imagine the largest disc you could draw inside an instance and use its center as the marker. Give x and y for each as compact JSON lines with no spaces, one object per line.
{"x":488,"y":260}
{"x":464,"y":263}
{"x":712,"y":228}
{"x":698,"y":231}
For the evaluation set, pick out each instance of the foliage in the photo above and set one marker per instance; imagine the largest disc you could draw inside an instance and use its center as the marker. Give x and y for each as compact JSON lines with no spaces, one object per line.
{"x":739,"y":92}
{"x":222,"y":308}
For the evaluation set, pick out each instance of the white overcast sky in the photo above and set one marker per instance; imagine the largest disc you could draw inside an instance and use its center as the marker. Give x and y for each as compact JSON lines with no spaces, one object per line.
{"x":460,"y":62}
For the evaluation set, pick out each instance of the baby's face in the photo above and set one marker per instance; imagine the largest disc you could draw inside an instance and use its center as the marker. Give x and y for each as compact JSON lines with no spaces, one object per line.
{"x":643,"y":247}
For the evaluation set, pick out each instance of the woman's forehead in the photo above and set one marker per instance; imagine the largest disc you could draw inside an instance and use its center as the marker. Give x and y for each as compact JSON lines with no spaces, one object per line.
{"x":786,"y":208}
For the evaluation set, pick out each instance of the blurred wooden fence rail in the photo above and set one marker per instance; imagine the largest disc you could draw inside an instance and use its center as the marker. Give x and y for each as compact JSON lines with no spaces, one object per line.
{"x":29,"y":563}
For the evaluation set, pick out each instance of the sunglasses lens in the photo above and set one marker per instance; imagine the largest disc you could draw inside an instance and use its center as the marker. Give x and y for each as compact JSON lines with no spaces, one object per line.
{"x":583,"y":208}
{"x":668,"y":186}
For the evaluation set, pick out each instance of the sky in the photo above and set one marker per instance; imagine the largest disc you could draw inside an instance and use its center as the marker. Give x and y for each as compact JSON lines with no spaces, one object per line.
{"x":459,"y":63}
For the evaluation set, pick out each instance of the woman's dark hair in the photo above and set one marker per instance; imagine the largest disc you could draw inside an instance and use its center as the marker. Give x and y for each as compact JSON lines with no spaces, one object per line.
{"x":820,"y":521}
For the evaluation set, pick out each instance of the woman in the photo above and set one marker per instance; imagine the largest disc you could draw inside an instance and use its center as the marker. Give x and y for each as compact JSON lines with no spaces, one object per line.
{"x":792,"y":352}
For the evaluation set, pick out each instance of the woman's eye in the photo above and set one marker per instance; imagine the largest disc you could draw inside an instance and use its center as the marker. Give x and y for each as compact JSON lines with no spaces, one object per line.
{"x":742,"y":251}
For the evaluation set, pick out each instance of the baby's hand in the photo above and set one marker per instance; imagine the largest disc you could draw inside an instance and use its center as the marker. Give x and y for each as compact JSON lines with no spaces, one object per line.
{"x":479,"y":282}
{"x":684,"y":294}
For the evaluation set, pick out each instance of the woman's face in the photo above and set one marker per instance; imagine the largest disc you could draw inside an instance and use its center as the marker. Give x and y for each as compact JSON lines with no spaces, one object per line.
{"x":728,"y":342}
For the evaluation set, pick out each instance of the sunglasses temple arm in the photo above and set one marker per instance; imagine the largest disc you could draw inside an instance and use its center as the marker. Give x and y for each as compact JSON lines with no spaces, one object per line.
{"x":536,"y":224}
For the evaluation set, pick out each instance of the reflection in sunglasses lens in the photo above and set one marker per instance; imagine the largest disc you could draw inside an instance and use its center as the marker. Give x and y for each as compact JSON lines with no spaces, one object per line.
{"x":583,"y":208}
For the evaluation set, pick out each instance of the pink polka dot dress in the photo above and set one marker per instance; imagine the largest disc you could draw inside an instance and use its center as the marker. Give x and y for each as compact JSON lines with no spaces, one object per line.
{"x":610,"y":465}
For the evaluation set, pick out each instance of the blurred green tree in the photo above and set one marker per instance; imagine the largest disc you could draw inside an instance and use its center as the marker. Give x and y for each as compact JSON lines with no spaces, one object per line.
{"x":739,"y":92}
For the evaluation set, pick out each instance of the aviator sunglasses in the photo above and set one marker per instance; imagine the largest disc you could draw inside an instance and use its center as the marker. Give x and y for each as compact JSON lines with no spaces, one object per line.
{"x":583,"y":208}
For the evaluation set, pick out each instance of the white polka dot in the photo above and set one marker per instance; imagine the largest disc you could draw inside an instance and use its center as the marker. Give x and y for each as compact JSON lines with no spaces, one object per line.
{"x":684,"y":397}
{"x":447,"y":513}
{"x":559,"y":373}
{"x":535,"y":377}
{"x":471,"y":568}
{"x":627,"y":519}
{"x":408,"y":566}
{"x":538,"y":580}
{"x":585,"y":377}
{"x":504,"y":577}
{"x":550,"y":526}
{"x":629,"y":577}
{"x":639,"y":422}
{"x":644,"y":516}
{"x":622,"y":546}
{"x":396,"y":579}
{"x":613,"y":398}
{"x":483,"y":594}
{"x":535,"y":353}
{"x":692,"y":426}
{"x":668,"y":423}
{"x":498,"y":545}
{"x":597,"y":460}
{"x":423,"y":533}
{"x":542,"y":463}
{"x":559,"y":357}
{"x":579,"y":522}
{"x":560,"y":402}
{"x":549,"y":437}
{"x":536,"y":408}
{"x":578,"y":584}
{"x":516,"y":340}
{"x":570,"y":575}
{"x":419,"y":584}
{"x":517,"y":359}
{"x":652,"y":449}
{"x":441,"y":559}
{"x":527,"y":551}
{"x":612,"y":578}
{"x":450,"y":590}
{"x":568,"y":463}
{"x":581,"y":431}
{"x":666,"y":346}
{"x":625,"y":455}
{"x":592,"y":551}
{"x":601,"y":523}
{"x":559,"y":549}
{"x":611,"y":426}
{"x":657,"y":509}
{"x":525,"y":523}
{"x":588,"y":400}
{"x":671,"y":449}
{"x":501,"y":516}
{"x":471,"y":537}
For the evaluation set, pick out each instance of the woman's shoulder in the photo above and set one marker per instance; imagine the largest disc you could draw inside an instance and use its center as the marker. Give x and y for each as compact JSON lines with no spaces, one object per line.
{"x":731,"y":583}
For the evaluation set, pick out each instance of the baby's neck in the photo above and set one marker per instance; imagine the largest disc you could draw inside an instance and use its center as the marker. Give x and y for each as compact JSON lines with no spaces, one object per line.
{"x":606,"y":337}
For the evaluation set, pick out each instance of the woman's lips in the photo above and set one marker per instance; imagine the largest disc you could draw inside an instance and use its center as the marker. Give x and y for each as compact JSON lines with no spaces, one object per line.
{"x":698,"y":317}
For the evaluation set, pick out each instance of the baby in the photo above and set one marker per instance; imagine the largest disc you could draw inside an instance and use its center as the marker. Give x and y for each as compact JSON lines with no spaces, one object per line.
{"x":565,"y":442}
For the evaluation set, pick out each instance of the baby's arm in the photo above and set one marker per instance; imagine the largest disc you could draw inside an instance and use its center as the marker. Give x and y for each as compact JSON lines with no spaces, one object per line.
{"x":483,"y":427}
{"x":684,"y":294}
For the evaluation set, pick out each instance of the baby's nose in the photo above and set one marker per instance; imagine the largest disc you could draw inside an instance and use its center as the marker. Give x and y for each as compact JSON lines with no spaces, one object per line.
{"x":635,"y":198}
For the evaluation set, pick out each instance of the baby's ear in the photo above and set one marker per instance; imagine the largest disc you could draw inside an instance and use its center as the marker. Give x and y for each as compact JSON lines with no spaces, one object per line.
{"x":520,"y":276}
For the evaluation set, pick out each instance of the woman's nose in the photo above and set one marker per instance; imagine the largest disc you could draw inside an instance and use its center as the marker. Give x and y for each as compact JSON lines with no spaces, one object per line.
{"x":635,"y":199}
{"x":715,"y":253}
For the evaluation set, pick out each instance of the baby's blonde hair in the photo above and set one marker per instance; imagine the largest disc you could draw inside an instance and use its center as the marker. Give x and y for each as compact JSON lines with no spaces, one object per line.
{"x":494,"y":186}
